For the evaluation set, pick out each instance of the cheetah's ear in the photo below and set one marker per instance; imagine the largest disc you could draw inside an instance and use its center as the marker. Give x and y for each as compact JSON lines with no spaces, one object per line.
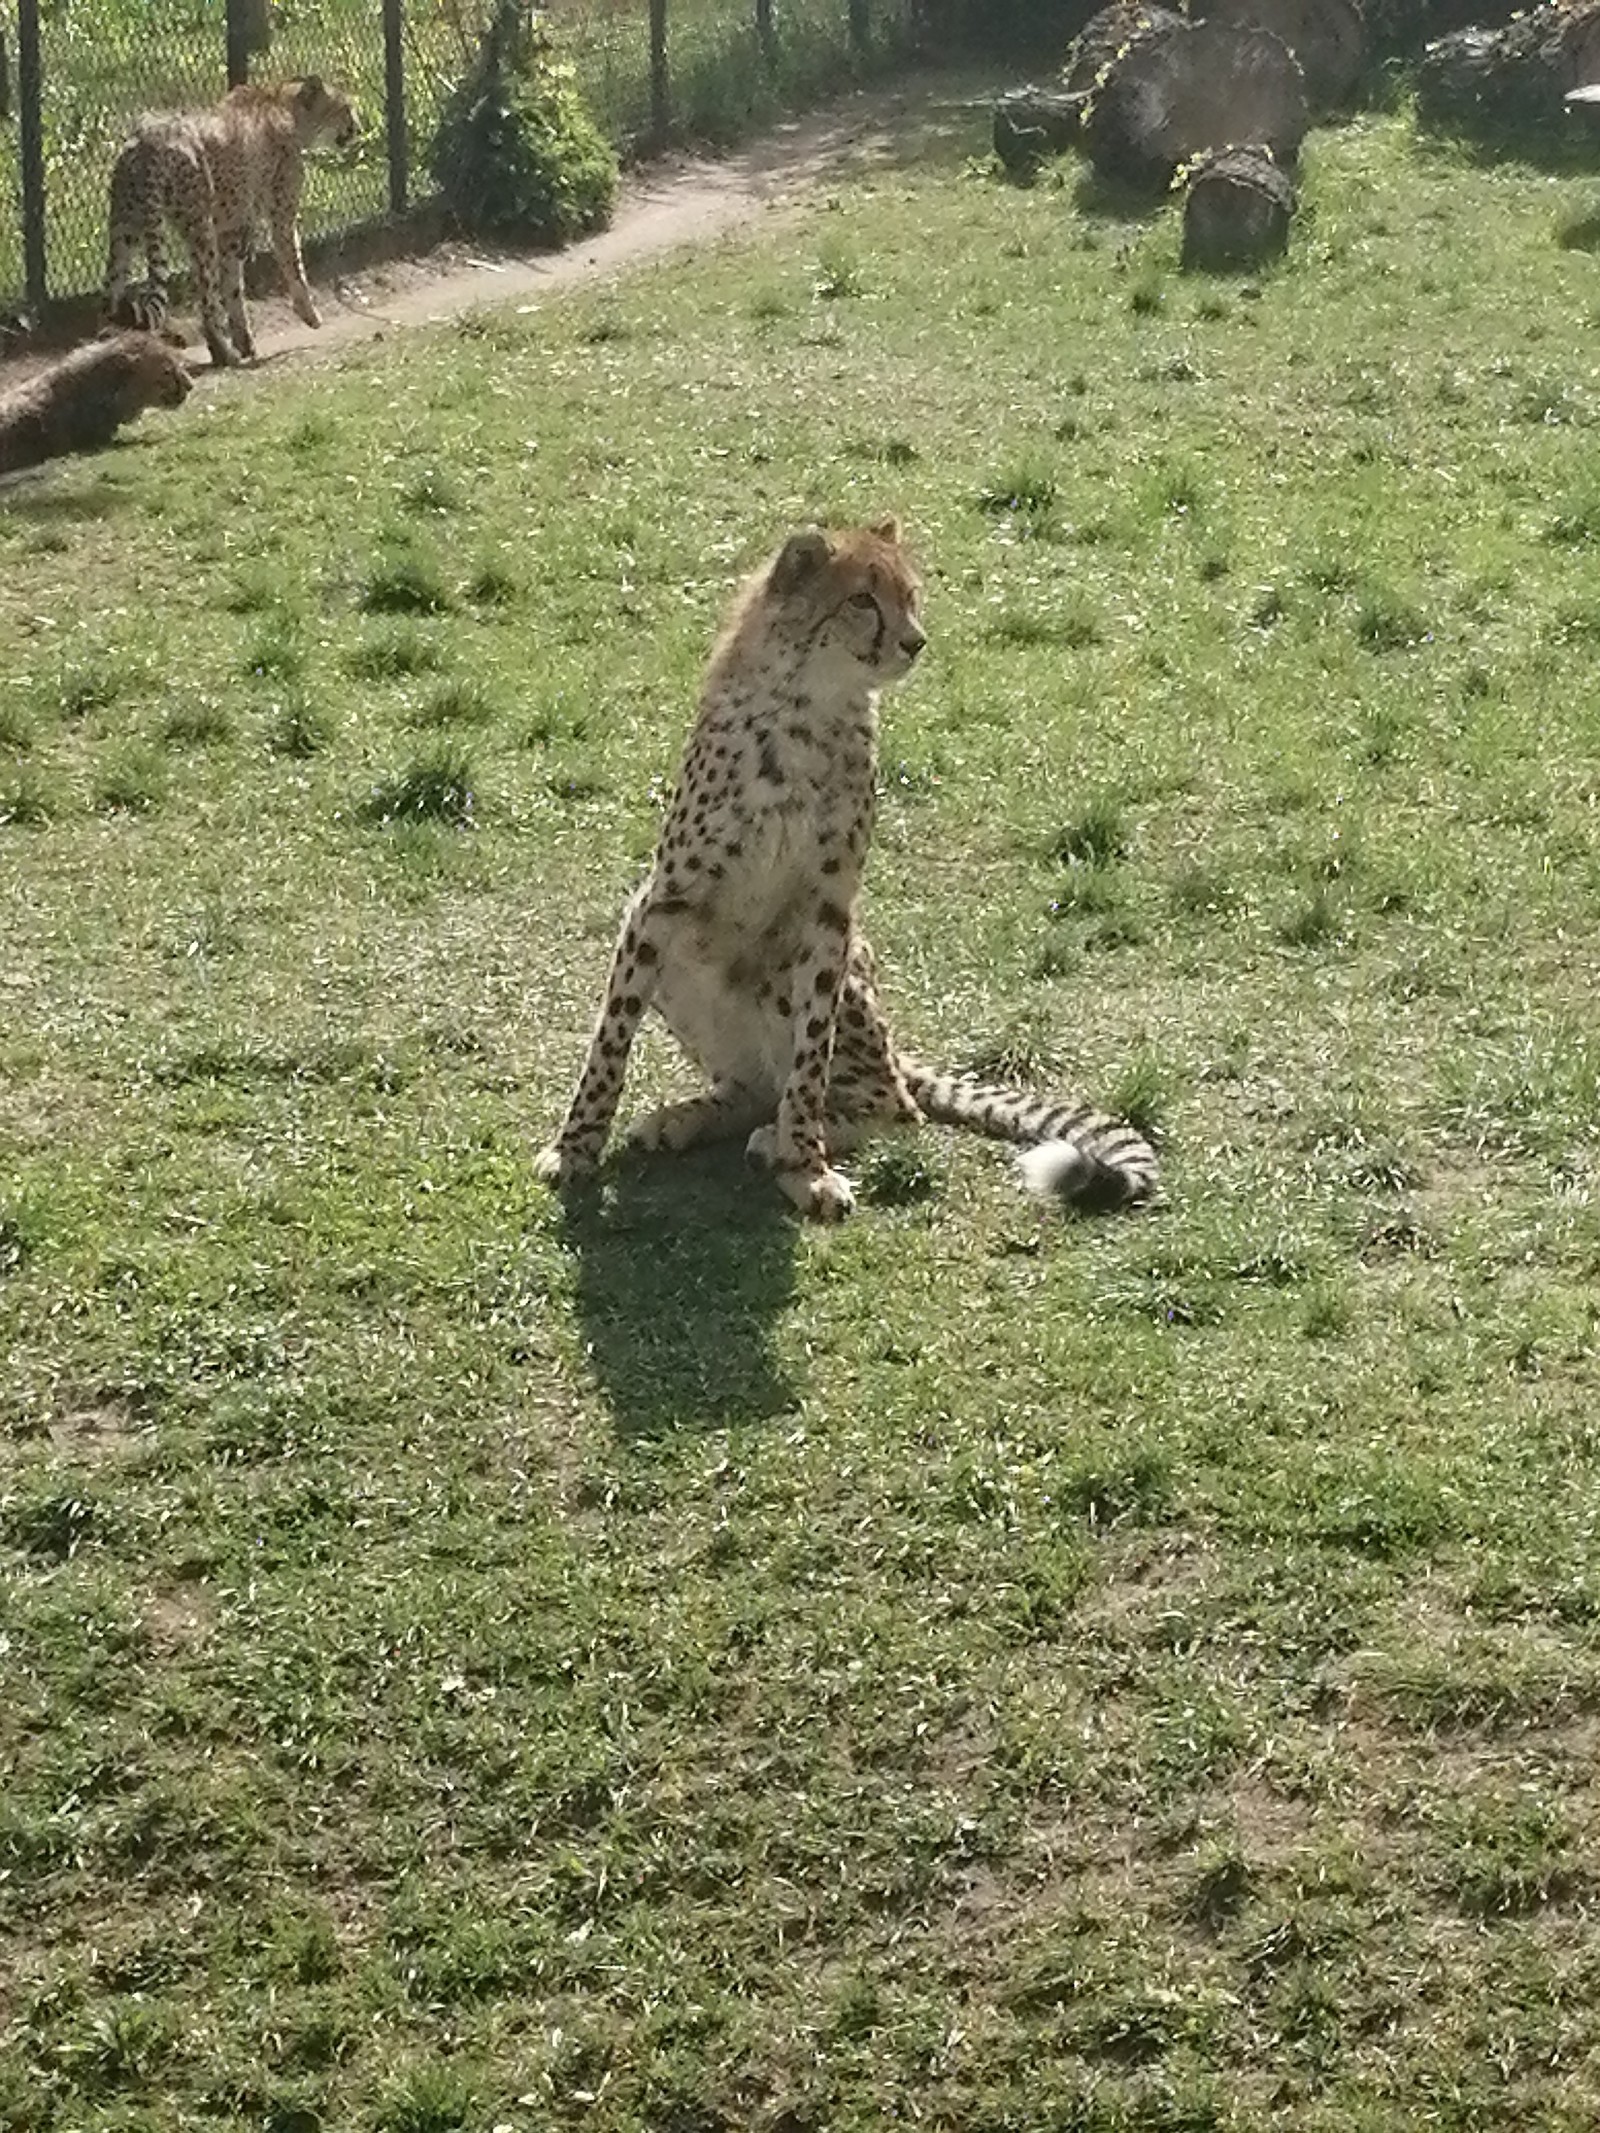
{"x":801,"y":556}
{"x":310,"y":90}
{"x":890,"y":530}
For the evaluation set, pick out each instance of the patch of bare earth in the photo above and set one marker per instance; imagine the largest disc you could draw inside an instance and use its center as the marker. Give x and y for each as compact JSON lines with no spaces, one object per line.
{"x":179,"y":1617}
{"x":94,"y":1427}
{"x":1152,"y":1588}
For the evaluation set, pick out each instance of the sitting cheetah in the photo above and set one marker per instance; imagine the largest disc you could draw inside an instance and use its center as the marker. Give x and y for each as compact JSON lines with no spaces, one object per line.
{"x":79,"y":403}
{"x":744,"y":936}
{"x":218,"y":174}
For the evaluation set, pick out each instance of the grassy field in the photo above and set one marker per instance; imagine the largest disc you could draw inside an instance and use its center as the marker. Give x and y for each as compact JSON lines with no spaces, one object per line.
{"x":103,"y":65}
{"x":661,"y":1669}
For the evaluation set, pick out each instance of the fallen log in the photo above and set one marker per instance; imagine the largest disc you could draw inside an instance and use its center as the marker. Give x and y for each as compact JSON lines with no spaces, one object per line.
{"x":1237,"y":209}
{"x":1180,"y":93}
{"x":1107,"y":38}
{"x":1403,"y":27}
{"x":1032,"y":124}
{"x":1328,"y":37}
{"x":1481,"y":81}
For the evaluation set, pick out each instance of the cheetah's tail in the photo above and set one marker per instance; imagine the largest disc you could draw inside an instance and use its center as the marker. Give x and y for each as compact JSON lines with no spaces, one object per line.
{"x":1071,"y":1150}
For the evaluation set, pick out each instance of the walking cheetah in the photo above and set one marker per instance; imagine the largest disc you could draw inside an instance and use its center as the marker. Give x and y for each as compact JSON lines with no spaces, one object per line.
{"x":80,"y":402}
{"x":218,"y":174}
{"x":744,"y":936}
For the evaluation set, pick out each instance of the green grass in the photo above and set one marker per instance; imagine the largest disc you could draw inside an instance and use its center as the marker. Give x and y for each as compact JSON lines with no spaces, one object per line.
{"x":465,"y":1663}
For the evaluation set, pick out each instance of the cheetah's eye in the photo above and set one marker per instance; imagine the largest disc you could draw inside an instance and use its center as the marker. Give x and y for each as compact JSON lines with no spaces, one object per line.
{"x":863,"y":600}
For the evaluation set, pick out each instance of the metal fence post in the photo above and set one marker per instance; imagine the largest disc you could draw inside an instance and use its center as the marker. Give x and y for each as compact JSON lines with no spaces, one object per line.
{"x":860,"y":25}
{"x":659,"y":95}
{"x":394,"y":105}
{"x":30,"y":97}
{"x":764,"y":28}
{"x":238,"y":44}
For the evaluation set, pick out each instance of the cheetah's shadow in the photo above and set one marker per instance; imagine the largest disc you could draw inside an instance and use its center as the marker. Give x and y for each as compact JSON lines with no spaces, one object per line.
{"x":683,"y":1266}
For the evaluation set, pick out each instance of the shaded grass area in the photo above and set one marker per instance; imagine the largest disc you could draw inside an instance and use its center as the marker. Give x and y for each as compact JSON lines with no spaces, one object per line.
{"x":469,"y":1664}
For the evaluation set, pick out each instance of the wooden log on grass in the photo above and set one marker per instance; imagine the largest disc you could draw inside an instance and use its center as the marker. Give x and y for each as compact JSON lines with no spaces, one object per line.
{"x":1106,"y":40}
{"x":1181,"y":93}
{"x":1508,"y":80}
{"x":1237,"y":208}
{"x":1328,"y":37}
{"x":1032,"y":124}
{"x":1404,"y":26}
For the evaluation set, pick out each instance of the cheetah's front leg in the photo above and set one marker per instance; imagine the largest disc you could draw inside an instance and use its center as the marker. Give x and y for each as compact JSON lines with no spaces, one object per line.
{"x":286,"y":250}
{"x":630,"y":985}
{"x":796,"y":1146}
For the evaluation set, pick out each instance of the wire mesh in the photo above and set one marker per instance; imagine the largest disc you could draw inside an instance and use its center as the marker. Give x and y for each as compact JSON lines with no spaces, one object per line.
{"x":104,"y":62}
{"x":721,"y":72}
{"x":441,"y":40}
{"x":342,"y":40}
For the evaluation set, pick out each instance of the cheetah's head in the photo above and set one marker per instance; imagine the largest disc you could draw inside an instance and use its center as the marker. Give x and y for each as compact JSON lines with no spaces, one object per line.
{"x":170,"y":382}
{"x":855,"y":596}
{"x":321,"y":114}
{"x":156,"y":374}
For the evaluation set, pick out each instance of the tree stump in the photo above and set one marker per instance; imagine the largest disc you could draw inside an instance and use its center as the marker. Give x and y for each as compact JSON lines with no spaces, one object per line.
{"x":1237,"y":210}
{"x":1328,"y":37}
{"x":1488,"y":81}
{"x":1031,"y":125}
{"x":1180,"y":93}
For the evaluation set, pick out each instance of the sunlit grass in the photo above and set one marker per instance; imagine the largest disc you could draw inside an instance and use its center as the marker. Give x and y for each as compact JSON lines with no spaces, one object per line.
{"x":649,"y":1665}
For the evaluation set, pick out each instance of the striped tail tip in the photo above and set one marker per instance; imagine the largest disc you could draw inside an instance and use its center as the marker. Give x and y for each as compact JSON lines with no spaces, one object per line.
{"x":1084,"y":1178}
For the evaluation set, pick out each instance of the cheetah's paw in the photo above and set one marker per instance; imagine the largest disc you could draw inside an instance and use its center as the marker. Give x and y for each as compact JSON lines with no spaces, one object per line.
{"x":651,"y":1133}
{"x":560,"y":1166}
{"x":825,"y":1195}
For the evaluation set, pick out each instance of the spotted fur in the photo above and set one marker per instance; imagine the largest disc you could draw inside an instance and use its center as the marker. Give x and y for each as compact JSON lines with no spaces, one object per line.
{"x":744,"y":936}
{"x":218,"y":175}
{"x":79,"y":403}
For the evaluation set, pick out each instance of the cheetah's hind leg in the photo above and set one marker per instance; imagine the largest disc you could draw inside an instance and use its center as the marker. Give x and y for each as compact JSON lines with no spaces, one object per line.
{"x":845,"y":1135}
{"x":201,"y":236}
{"x":725,"y":1114}
{"x":230,"y":261}
{"x":142,"y":306}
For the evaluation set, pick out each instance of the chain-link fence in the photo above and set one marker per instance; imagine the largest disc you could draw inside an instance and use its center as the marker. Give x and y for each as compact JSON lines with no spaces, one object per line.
{"x":720,"y":63}
{"x":74,"y":74}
